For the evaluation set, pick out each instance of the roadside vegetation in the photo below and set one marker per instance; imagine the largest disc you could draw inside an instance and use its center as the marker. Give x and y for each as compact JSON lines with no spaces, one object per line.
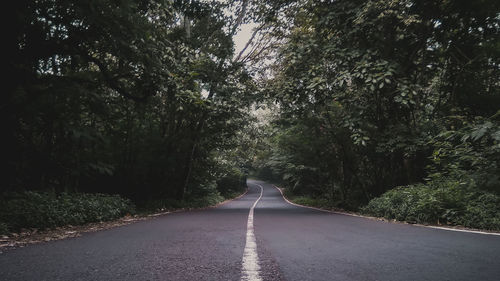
{"x":390,"y":108}
{"x":447,"y":201}
{"x":30,"y":210}
{"x":42,"y":210}
{"x":111,"y":104}
{"x":39,"y":211}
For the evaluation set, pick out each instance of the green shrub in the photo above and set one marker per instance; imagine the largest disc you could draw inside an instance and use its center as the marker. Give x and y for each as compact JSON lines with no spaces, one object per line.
{"x":3,"y":228}
{"x":207,"y":200}
{"x":446,"y":201}
{"x":482,"y":212}
{"x":233,"y":182}
{"x":308,"y":201}
{"x":202,"y":197}
{"x":43,"y":210}
{"x":188,"y":203}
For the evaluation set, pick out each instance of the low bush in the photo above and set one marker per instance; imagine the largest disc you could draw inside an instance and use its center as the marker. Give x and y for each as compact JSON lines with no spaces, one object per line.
{"x":313,"y":202}
{"x":3,"y":228}
{"x":306,"y":200}
{"x":232,"y":182}
{"x":44,"y":210}
{"x":445,"y":201}
{"x":170,"y":204}
{"x":208,"y":195}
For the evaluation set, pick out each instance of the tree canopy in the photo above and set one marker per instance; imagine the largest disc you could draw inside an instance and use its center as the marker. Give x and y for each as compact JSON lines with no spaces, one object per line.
{"x":148,"y":99}
{"x":378,"y":94}
{"x":139,"y":98}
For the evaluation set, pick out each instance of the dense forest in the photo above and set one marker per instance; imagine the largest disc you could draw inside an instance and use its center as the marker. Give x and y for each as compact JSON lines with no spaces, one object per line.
{"x":137,"y":98}
{"x":374,"y":95}
{"x":391,"y":108}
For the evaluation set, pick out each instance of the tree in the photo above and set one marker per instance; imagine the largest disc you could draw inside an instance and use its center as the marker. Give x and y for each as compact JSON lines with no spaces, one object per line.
{"x":110,"y":97}
{"x":373,"y":82}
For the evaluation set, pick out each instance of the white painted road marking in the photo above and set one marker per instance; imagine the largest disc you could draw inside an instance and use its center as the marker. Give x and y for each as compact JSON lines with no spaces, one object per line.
{"x":366,"y":217}
{"x":250,"y":265}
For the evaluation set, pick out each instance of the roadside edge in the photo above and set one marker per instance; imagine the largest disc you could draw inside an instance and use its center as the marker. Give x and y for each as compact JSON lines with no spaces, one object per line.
{"x":390,"y":221}
{"x":65,"y":232}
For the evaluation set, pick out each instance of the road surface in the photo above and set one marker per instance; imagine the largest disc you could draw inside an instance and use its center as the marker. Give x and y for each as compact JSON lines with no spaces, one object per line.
{"x":278,"y":241}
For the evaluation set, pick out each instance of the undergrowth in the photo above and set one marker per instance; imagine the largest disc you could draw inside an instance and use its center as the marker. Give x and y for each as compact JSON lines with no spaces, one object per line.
{"x":45,"y":210}
{"x":445,"y":201}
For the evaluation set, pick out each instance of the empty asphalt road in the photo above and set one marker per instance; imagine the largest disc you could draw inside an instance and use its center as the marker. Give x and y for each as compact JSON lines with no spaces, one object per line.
{"x":259,"y":237}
